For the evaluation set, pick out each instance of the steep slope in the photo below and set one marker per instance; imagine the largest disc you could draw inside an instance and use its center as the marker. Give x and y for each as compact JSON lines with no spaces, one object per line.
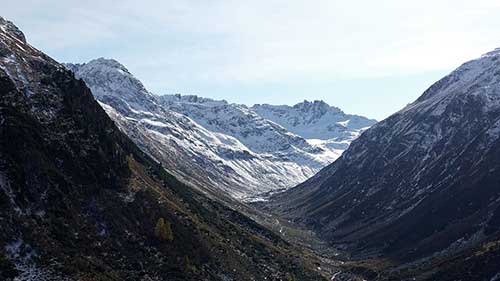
{"x":422,"y":185}
{"x":218,"y":145}
{"x":297,"y":157}
{"x":310,"y":127}
{"x":80,"y":201}
{"x":256,"y":133}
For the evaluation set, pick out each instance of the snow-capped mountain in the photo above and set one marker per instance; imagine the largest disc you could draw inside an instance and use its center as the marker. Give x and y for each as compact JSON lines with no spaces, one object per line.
{"x":258,"y":134}
{"x":423,"y":185}
{"x":315,"y":120}
{"x":321,"y":124}
{"x":226,"y":147}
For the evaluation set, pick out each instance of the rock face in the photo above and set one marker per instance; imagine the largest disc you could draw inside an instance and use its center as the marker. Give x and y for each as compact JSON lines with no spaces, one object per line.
{"x":422,"y":185}
{"x":226,"y":148}
{"x":80,"y":201}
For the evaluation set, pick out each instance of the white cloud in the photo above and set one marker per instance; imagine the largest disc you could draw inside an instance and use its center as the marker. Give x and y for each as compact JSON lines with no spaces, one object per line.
{"x":261,"y":40}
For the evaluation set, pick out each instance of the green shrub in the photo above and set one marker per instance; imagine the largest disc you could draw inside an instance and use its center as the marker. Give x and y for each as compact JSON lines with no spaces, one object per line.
{"x":163,"y":230}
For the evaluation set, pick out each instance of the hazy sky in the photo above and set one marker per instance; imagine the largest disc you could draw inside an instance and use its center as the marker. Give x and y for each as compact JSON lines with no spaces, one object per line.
{"x":367,"y":57}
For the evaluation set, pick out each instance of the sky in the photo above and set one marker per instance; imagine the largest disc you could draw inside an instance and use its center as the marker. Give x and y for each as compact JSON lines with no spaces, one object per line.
{"x":366,"y":57}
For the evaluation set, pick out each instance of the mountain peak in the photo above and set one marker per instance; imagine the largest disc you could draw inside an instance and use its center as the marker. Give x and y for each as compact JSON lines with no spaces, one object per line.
{"x":8,"y":27}
{"x":111,"y":82}
{"x":191,"y":99}
{"x":464,"y":81}
{"x":315,"y":120}
{"x":109,"y":62}
{"x":100,"y":63}
{"x":316,"y":106}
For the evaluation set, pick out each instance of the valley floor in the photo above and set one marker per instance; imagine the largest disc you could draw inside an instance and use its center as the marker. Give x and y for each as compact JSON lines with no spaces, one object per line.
{"x":331,"y":262}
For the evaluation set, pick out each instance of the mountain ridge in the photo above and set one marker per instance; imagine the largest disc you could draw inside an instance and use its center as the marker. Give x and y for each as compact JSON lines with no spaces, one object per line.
{"x":308,"y":120}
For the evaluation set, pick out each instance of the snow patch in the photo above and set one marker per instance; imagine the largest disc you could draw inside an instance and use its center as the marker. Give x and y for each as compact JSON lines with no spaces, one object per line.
{"x":23,"y":257}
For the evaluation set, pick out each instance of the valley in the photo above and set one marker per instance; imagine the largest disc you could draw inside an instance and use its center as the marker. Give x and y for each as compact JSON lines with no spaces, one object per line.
{"x":101,"y":179}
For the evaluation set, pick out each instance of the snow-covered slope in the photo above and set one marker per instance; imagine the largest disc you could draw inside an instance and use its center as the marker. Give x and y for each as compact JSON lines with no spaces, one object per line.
{"x":225,"y":146}
{"x":317,"y":121}
{"x":257,"y":133}
{"x":260,"y":128}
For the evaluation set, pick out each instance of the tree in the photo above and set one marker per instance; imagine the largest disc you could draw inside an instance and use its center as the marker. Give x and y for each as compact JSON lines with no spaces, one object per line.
{"x":187,"y":264}
{"x":163,"y":230}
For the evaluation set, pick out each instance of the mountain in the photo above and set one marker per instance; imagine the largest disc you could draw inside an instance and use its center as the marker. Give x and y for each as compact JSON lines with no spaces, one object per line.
{"x":258,"y":134}
{"x":296,"y":158}
{"x":220,"y":146}
{"x":80,"y":201}
{"x":316,"y":120}
{"x":418,"y":194}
